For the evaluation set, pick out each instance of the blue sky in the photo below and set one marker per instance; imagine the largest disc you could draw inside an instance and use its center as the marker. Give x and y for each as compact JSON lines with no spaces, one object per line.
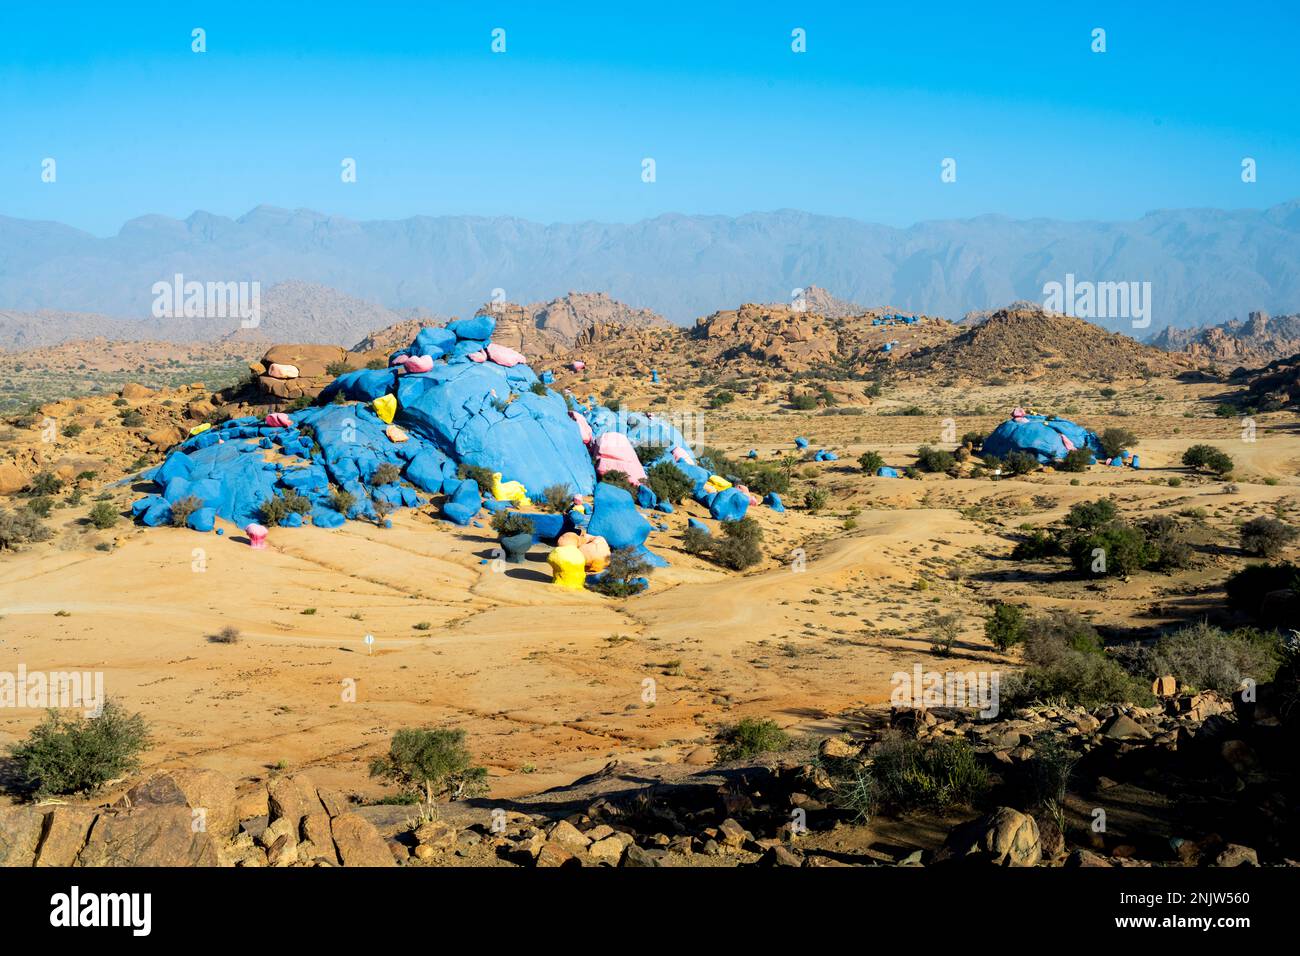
{"x":555,"y":128}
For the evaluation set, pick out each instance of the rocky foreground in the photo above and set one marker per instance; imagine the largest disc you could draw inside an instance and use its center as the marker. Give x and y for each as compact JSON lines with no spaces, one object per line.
{"x":1194,"y":781}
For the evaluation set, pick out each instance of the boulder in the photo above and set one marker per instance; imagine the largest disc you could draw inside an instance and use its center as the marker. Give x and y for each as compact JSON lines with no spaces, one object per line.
{"x":311,"y":361}
{"x":207,"y":791}
{"x":12,"y":478}
{"x":1234,"y":854}
{"x":1005,"y":837}
{"x":150,"y":835}
{"x":66,"y":829}
{"x":359,"y":843}
{"x":20,"y":834}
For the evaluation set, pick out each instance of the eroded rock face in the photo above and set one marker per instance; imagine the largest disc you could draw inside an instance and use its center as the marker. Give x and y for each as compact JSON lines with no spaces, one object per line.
{"x":152,"y":835}
{"x":359,"y":843}
{"x":1005,"y":837}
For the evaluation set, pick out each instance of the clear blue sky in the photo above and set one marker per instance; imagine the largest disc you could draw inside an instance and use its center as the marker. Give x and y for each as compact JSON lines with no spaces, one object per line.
{"x":555,"y":129}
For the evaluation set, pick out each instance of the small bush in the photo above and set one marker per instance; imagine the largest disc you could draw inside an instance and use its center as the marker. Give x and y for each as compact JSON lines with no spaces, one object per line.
{"x":69,"y":755}
{"x":40,"y":506}
{"x":1076,"y":460}
{"x":669,"y":483}
{"x":45,"y":483}
{"x":507,"y":523}
{"x":1205,"y":657}
{"x":72,"y":430}
{"x":934,"y":460}
{"x":103,"y":515}
{"x":623,"y":576}
{"x":335,"y":369}
{"x":1266,"y":537}
{"x":1039,"y":544}
{"x":1005,"y":627}
{"x":478,"y":474}
{"x":1019,"y":463}
{"x":131,"y":418}
{"x":803,"y":402}
{"x":1208,"y":458}
{"x":871,"y":462}
{"x":557,"y":498}
{"x":21,"y":527}
{"x":181,"y":510}
{"x":1116,"y":440}
{"x":431,"y":763}
{"x":738,"y":548}
{"x":227,"y":635}
{"x":619,"y":479}
{"x":385,"y":474}
{"x":1116,"y":549}
{"x":934,"y":775}
{"x":278,"y":507}
{"x":815,"y":499}
{"x":342,"y":501}
{"x":1090,"y":515}
{"x":750,"y":737}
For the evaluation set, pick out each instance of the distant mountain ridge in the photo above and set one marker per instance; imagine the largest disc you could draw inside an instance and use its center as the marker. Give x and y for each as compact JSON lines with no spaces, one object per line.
{"x":1202,"y":264}
{"x":1257,"y":341}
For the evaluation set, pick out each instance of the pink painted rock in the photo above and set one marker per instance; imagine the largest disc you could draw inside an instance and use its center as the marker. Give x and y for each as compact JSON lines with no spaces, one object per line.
{"x":578,"y":366}
{"x":584,"y":427}
{"x":414,"y":364}
{"x":504,"y":356}
{"x":615,"y":453}
{"x":256,"y":536}
{"x":279,"y":420}
{"x":282,"y":371}
{"x":680,"y":453}
{"x":479,"y":356}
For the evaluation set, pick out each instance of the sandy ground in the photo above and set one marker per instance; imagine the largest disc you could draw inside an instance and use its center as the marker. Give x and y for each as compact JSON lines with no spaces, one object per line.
{"x":551,"y":685}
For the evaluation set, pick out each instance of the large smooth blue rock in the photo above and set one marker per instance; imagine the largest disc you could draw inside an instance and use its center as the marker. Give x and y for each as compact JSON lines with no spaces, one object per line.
{"x":614,"y":517}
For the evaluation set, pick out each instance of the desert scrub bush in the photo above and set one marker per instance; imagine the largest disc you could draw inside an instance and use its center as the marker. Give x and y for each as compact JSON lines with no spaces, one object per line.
{"x":478,"y":474}
{"x":537,"y":388}
{"x":507,"y":523}
{"x":19,"y":528}
{"x":624,"y":576}
{"x":1266,"y":537}
{"x":44,"y":483}
{"x":669,"y":483}
{"x":1205,"y":657}
{"x":1037,"y":544}
{"x":103,"y":515}
{"x":934,"y":775}
{"x":943,"y":630}
{"x":385,"y":474}
{"x":973,"y":440}
{"x":1116,"y":440}
{"x":342,"y":501}
{"x":335,"y":369}
{"x":131,"y":418}
{"x":1067,"y":663}
{"x":1050,"y":770}
{"x":557,"y":498}
{"x":72,"y":430}
{"x":1165,"y":539}
{"x":738,"y":547}
{"x":871,"y":462}
{"x":1075,"y":460}
{"x":182,"y":509}
{"x":934,"y":460}
{"x":803,"y":401}
{"x":815,"y":499}
{"x":1005,"y":627}
{"x":68,"y":755}
{"x":1208,"y":458}
{"x":750,"y":737}
{"x":619,"y":479}
{"x":431,"y":763}
{"x":278,"y":507}
{"x":39,"y":506}
{"x":227,"y":635}
{"x":1090,"y":515}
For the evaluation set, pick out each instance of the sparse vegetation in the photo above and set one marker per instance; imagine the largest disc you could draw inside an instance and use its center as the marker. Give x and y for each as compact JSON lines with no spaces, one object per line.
{"x":431,"y":763}
{"x":750,"y":737}
{"x":75,"y":754}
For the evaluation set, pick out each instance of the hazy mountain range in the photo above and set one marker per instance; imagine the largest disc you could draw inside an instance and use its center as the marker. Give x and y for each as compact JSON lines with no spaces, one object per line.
{"x":1204,"y":265}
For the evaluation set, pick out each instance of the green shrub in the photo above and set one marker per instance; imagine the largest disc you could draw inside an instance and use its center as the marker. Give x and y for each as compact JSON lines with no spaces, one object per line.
{"x":669,"y":483}
{"x":335,"y":369}
{"x":103,"y":515}
{"x":804,"y":401}
{"x":21,"y":527}
{"x":1020,"y":463}
{"x":537,"y":388}
{"x":1067,"y":663}
{"x":623,"y":575}
{"x":750,"y":737}
{"x":131,"y":418}
{"x":1038,"y":544}
{"x":1208,"y":458}
{"x":649,"y":452}
{"x":431,"y":763}
{"x":932,"y":775}
{"x":45,"y":483}
{"x":1205,"y":657}
{"x":934,"y":460}
{"x":737,"y":548}
{"x":975,"y":440}
{"x":1091,"y":515}
{"x":342,"y":501}
{"x":385,"y":474}
{"x":476,"y":473}
{"x":39,"y":506}
{"x":557,"y":498}
{"x":1123,"y":550}
{"x":619,"y":479}
{"x":1005,"y":627}
{"x":72,"y":430}
{"x":1116,"y":440}
{"x":1266,"y":537}
{"x":181,"y":510}
{"x":871,"y":462}
{"x":1075,"y":460}
{"x":507,"y":523}
{"x":815,"y":499}
{"x":278,"y":507}
{"x":70,"y":755}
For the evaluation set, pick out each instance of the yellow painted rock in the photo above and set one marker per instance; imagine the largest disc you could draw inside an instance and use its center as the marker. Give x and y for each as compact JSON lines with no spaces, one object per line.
{"x":199,"y":429}
{"x":510,"y":491}
{"x":385,"y":407}
{"x":716,"y":483}
{"x":568,"y":568}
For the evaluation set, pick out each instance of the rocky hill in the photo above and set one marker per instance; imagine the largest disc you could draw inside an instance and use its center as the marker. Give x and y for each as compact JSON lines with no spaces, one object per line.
{"x":1257,"y":341}
{"x":1031,"y":343}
